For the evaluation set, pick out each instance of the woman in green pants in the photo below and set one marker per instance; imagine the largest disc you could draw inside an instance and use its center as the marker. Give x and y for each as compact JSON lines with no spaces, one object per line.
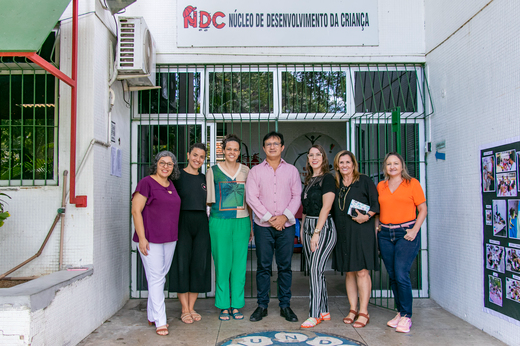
{"x":229,"y":228}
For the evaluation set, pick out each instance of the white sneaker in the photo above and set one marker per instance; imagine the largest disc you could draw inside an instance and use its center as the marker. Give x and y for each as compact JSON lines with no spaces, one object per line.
{"x":394,"y":321}
{"x":404,"y":325}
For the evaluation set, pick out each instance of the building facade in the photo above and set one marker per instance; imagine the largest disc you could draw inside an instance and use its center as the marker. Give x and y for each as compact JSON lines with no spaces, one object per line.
{"x":394,"y":75}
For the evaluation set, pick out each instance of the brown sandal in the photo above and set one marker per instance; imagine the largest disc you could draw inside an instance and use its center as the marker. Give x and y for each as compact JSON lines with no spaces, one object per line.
{"x":358,"y":324}
{"x":162,"y":331}
{"x":348,"y":320}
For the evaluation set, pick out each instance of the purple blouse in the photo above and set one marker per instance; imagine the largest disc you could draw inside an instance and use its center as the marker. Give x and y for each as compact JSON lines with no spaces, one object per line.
{"x":161,"y":211}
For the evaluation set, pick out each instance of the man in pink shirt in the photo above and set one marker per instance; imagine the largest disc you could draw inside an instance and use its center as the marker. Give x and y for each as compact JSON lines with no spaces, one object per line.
{"x":274,"y":192}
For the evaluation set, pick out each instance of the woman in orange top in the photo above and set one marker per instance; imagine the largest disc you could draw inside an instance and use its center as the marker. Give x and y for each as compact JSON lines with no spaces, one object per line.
{"x":400,"y":197}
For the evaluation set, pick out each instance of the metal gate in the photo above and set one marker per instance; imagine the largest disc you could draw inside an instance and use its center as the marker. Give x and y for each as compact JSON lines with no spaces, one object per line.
{"x":368,"y":109}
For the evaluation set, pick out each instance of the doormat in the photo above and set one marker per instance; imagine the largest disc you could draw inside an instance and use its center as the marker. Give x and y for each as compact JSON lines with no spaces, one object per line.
{"x":273,"y":337}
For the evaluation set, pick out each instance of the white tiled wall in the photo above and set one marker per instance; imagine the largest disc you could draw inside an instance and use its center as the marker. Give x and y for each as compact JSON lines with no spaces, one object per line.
{"x":474,"y":79}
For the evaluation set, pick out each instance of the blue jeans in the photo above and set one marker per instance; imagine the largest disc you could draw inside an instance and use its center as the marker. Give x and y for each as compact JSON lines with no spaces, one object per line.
{"x":269,"y":241}
{"x":398,"y":255}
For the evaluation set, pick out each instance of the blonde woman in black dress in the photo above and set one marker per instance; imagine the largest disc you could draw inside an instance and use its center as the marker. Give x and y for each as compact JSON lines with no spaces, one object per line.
{"x":356,"y":249}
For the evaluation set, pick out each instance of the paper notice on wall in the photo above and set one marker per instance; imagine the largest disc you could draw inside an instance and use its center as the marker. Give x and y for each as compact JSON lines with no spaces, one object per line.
{"x":116,"y":162}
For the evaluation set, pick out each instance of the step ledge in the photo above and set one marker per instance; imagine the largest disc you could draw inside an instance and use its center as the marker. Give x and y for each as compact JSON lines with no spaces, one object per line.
{"x":39,"y":293}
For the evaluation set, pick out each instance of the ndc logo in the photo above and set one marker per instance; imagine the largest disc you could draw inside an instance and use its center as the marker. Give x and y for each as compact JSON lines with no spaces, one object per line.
{"x":205,"y":19}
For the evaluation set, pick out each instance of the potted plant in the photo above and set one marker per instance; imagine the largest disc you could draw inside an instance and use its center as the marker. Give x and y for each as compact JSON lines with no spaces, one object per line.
{"x":3,"y":214}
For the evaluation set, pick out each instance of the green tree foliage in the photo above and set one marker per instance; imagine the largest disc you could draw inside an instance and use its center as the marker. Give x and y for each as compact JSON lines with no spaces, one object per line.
{"x":27,"y":127}
{"x":313,"y":92}
{"x":241,"y":92}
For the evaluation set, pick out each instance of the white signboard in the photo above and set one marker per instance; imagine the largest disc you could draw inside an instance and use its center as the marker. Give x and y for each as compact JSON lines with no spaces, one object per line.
{"x":277,"y":23}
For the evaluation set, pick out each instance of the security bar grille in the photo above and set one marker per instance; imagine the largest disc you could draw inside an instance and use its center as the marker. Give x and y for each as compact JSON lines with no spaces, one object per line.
{"x":28,"y":124}
{"x":376,"y":108}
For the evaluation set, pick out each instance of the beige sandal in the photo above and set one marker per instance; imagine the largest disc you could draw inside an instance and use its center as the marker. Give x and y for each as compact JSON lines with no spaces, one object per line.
{"x":195,"y":315}
{"x":186,"y":318}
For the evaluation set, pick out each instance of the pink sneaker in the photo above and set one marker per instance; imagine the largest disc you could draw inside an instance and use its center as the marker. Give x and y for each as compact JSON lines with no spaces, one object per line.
{"x":404,"y":325}
{"x":394,"y":321}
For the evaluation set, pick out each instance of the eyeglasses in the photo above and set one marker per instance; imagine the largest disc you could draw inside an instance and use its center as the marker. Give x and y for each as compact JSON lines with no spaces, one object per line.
{"x":314,"y":155}
{"x":274,"y":144}
{"x":165,"y":164}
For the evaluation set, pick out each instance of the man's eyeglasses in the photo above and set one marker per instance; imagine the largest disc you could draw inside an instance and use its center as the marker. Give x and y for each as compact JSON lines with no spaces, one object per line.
{"x":274,"y":144}
{"x":165,"y":164}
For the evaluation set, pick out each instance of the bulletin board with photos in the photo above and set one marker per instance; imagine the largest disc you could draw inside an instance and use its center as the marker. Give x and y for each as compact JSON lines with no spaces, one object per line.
{"x":500,"y":205}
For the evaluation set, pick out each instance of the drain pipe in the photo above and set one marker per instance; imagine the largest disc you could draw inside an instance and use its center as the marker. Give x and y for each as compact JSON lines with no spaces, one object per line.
{"x":79,"y":201}
{"x":61,"y":211}
{"x":59,"y":215}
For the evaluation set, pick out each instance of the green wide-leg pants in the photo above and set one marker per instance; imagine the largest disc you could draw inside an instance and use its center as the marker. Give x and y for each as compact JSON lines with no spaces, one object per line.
{"x":229,"y":242}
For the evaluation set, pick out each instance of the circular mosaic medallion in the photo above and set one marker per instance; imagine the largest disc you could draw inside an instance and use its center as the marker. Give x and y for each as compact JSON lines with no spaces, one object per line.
{"x":270,"y":337}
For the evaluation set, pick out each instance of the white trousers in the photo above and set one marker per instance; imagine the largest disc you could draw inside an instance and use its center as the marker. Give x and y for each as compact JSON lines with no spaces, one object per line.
{"x":156,"y":266}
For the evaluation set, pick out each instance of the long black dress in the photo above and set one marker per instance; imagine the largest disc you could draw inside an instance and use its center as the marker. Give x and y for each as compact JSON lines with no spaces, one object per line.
{"x":356,"y":248}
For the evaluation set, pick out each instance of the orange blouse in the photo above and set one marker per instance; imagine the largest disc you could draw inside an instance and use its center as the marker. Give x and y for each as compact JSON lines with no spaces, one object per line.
{"x":400,"y":206}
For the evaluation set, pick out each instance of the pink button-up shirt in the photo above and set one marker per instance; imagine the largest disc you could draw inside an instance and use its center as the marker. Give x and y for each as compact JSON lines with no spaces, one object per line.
{"x":272,"y":193}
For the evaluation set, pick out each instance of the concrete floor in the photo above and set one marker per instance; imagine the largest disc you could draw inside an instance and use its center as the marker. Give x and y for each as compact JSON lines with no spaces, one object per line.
{"x":432,"y":325}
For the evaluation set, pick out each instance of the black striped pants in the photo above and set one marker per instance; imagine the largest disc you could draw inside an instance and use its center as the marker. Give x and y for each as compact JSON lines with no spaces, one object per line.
{"x":316,"y":262}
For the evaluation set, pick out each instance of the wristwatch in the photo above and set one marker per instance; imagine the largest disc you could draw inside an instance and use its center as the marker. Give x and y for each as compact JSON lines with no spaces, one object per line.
{"x":317,"y":231}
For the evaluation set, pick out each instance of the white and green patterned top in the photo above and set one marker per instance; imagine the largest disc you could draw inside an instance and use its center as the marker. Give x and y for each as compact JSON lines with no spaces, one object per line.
{"x":226,"y":193}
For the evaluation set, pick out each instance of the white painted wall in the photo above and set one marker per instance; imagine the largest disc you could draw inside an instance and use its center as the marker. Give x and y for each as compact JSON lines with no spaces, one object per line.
{"x":474,"y":81}
{"x":32,"y":212}
{"x":401,"y":39}
{"x":98,"y":234}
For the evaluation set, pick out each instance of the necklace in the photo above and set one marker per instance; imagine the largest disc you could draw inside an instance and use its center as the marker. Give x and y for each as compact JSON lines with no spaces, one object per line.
{"x":344,"y":197}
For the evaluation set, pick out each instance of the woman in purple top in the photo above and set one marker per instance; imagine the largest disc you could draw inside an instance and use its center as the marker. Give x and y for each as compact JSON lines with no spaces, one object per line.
{"x":155,"y":210}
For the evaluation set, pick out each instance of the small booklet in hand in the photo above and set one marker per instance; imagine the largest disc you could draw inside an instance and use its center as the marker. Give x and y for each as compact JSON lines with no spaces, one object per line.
{"x":362,"y":207}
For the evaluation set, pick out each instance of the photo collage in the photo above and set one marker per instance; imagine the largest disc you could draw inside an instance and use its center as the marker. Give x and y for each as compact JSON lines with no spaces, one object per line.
{"x":500,"y":203}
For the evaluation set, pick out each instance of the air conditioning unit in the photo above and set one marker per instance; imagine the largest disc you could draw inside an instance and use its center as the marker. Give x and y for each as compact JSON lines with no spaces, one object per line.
{"x":135,"y":52}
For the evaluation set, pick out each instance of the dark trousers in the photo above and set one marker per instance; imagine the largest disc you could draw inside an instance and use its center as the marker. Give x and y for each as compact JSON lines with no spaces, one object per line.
{"x":398,"y":255}
{"x":269,"y":241}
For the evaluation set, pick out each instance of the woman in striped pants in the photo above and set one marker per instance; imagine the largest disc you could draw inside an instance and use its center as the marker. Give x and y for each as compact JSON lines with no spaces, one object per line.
{"x":319,"y":232}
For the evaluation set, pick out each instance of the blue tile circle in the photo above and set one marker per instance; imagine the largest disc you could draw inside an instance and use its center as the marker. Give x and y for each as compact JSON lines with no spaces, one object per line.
{"x":293,"y":338}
